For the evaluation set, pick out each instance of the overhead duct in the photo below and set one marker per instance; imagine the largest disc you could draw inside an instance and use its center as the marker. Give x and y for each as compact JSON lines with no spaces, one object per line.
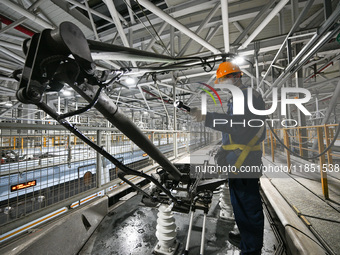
{"x":20,"y":28}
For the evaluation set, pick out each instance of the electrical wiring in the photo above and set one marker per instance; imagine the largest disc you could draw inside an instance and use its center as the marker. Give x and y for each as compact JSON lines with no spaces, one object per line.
{"x":300,"y":231}
{"x":159,"y":38}
{"x":289,"y":225}
{"x":81,"y":110}
{"x":300,"y":183}
{"x":204,"y":61}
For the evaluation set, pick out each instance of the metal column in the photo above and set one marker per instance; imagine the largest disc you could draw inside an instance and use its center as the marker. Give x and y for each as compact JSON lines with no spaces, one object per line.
{"x":99,"y":161}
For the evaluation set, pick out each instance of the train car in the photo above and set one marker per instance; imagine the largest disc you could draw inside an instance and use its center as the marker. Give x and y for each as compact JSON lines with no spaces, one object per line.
{"x":20,"y":180}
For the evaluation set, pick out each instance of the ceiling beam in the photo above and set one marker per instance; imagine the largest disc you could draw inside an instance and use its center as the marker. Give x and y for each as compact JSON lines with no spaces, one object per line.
{"x":114,"y":14}
{"x":12,"y":54}
{"x":264,"y":23}
{"x":73,"y":12}
{"x":258,"y":17}
{"x":166,"y":17}
{"x":200,"y":27}
{"x":27,"y":14}
{"x":98,"y":14}
{"x":225,"y":25}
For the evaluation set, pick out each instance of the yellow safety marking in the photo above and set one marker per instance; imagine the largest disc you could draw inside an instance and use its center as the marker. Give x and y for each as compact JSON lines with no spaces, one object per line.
{"x":74,"y":205}
{"x":296,"y":210}
{"x":112,"y":187}
{"x":86,"y":199}
{"x":101,"y":193}
{"x":305,"y":220}
{"x":31,"y":225}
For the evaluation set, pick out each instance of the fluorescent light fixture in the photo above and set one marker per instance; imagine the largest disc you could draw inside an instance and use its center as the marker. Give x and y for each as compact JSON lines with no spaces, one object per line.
{"x":8,"y":104}
{"x":67,"y":93}
{"x":238,"y":60}
{"x":130,"y":81}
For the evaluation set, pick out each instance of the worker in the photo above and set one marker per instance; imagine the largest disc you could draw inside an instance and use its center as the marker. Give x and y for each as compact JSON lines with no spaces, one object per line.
{"x":244,"y":186}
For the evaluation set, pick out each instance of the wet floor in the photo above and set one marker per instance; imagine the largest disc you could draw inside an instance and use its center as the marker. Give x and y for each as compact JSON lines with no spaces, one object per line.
{"x":130,"y":230}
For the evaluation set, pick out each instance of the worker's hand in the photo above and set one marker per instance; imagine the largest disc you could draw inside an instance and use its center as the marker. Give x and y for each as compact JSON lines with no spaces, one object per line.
{"x":197,"y":114}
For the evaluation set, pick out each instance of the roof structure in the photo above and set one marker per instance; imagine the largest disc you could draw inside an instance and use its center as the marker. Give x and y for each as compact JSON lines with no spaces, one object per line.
{"x":292,"y":43}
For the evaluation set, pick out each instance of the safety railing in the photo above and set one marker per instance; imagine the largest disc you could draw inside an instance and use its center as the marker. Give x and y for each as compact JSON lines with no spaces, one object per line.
{"x":308,"y":142}
{"x":44,"y":166}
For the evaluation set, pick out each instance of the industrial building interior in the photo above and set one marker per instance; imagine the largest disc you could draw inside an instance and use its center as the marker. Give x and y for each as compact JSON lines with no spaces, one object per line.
{"x":95,"y":114}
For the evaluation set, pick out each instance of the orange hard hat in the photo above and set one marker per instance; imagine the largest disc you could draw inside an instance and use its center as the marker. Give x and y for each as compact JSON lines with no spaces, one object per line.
{"x":226,"y":68}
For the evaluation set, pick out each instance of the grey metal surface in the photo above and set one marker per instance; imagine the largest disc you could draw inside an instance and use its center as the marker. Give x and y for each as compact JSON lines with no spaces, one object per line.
{"x":303,"y":191}
{"x":64,"y":236}
{"x":130,"y":230}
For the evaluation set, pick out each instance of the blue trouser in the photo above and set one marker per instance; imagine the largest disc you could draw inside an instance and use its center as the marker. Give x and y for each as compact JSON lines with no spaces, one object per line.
{"x":246,"y":201}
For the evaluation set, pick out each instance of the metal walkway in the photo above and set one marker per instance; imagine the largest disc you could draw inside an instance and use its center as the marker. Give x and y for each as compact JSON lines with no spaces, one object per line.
{"x":301,"y":189}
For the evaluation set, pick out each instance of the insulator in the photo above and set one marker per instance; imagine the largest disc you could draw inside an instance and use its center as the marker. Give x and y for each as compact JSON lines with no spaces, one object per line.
{"x":166,"y":231}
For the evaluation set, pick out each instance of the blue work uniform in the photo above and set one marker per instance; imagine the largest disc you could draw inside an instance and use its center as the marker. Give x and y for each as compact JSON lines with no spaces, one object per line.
{"x":244,"y":187}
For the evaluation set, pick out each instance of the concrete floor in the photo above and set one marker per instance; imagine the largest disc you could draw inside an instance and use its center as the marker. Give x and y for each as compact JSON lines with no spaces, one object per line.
{"x":130,"y":230}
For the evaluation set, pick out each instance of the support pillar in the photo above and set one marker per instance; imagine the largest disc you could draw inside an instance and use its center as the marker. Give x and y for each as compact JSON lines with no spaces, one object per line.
{"x":99,"y":161}
{"x":301,"y":117}
{"x":175,"y":118}
{"x":257,"y":65}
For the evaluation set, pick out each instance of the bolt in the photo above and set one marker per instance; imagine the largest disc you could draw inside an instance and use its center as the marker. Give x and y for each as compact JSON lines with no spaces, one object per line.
{"x":34,"y":94}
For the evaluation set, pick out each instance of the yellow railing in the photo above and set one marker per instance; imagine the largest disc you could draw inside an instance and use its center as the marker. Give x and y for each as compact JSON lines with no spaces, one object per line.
{"x":24,"y":142}
{"x":303,"y":141}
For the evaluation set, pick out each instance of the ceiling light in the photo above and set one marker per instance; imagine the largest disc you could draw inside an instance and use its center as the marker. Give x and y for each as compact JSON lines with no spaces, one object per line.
{"x":67,"y":93}
{"x":130,"y":81}
{"x":238,"y":60}
{"x":9,"y":104}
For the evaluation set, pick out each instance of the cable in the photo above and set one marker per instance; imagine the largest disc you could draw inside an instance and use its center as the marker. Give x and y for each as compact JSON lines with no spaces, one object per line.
{"x":319,"y":218}
{"x":289,"y":225}
{"x":103,"y":152}
{"x":281,"y":245}
{"x":311,"y":191}
{"x":82,"y":110}
{"x":207,"y":67}
{"x":306,"y":158}
{"x":16,"y":74}
{"x":162,"y":43}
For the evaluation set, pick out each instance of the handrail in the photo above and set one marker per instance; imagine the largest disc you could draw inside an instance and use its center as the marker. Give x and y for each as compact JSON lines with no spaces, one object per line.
{"x":323,"y":137}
